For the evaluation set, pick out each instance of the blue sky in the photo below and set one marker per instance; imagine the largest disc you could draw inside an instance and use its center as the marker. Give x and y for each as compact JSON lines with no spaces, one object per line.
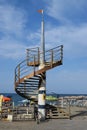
{"x":65,"y":23}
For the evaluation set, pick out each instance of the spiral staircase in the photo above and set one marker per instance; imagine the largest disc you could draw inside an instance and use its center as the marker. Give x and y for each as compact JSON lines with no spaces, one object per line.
{"x":28,"y":74}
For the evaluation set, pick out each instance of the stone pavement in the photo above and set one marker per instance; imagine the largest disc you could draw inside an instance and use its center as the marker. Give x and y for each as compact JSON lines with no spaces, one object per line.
{"x":53,"y":124}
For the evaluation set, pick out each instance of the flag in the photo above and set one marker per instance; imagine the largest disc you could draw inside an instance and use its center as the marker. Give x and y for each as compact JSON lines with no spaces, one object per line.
{"x":40,"y":11}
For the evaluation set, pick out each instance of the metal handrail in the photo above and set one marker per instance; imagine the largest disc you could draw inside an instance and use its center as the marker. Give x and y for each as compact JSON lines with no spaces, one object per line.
{"x":51,"y":56}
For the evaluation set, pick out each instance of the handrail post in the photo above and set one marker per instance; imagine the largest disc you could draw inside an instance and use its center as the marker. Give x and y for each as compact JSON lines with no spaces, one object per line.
{"x":38,"y":56}
{"x":51,"y":58}
{"x":15,"y":76}
{"x":19,"y":73}
{"x":34,"y":64}
{"x":27,"y":57}
{"x":61,"y":53}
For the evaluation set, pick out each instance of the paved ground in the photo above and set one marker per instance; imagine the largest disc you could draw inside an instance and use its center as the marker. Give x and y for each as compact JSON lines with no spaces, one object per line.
{"x":57,"y":124}
{"x":77,"y":122}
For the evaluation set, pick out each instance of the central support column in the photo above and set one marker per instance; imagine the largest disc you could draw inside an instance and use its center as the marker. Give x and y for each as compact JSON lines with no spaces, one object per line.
{"x":42,"y":98}
{"x":42,"y":87}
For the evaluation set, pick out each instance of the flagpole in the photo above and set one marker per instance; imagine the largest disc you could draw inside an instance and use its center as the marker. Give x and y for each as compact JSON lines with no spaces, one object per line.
{"x":42,"y":87}
{"x":42,"y":49}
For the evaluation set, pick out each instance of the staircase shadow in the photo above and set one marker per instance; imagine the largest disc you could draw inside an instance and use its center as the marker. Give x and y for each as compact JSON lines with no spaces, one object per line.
{"x":80,"y":114}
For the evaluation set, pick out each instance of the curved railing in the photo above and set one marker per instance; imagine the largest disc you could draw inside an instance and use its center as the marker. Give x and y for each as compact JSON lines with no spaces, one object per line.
{"x":27,"y":72}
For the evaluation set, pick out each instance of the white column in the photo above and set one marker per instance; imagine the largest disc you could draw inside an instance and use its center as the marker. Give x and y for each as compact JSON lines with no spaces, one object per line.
{"x":42,"y":99}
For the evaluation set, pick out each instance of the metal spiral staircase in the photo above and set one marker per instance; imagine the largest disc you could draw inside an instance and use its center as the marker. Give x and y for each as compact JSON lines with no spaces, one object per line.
{"x":28,"y":74}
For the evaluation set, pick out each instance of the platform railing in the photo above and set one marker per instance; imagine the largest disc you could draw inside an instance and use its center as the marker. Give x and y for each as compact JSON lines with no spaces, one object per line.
{"x":54,"y":55}
{"x":33,"y":55}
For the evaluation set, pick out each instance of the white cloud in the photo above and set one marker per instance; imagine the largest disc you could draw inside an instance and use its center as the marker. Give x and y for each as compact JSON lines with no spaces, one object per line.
{"x":12,"y":24}
{"x":73,"y":38}
{"x":13,"y":41}
{"x":34,"y":37}
{"x":11,"y":49}
{"x":67,"y":11}
{"x":12,"y":20}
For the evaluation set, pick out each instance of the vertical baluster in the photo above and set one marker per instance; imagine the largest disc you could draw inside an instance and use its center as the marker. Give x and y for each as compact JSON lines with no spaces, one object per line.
{"x":19,"y":73}
{"x":15,"y":75}
{"x":27,"y":57}
{"x":34,"y":63}
{"x":51,"y":58}
{"x":38,"y":56}
{"x":61,"y":53}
